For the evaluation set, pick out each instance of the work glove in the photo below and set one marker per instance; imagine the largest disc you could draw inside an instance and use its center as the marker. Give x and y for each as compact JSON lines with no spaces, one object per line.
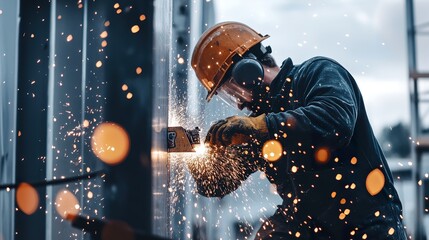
{"x":237,"y":130}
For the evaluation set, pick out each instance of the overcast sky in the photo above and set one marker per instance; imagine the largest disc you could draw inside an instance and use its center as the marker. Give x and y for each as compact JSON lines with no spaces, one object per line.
{"x":368,"y":37}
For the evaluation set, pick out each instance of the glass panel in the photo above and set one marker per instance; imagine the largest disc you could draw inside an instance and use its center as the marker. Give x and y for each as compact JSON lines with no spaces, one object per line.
{"x":75,"y":99}
{"x":8,"y":83}
{"x":162,"y":71}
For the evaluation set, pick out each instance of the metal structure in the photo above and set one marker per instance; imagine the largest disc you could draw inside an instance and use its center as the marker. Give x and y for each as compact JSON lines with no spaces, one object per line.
{"x":190,"y":19}
{"x":418,"y":65}
{"x":162,"y":70}
{"x":65,"y":68}
{"x":8,"y":70}
{"x":77,"y":65}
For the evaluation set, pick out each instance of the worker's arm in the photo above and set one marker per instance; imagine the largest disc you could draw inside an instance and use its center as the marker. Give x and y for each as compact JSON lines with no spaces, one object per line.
{"x":328,"y":111}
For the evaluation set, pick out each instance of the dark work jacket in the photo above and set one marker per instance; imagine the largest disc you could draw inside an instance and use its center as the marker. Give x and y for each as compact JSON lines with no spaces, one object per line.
{"x":316,"y":107}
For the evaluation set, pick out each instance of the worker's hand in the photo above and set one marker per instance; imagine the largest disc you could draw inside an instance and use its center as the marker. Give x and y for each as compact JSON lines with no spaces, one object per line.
{"x":237,"y":130}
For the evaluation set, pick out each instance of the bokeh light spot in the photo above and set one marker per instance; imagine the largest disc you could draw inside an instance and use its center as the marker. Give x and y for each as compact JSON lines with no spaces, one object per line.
{"x":66,"y":204}
{"x":110,"y":143}
{"x":69,"y":38}
{"x":139,"y":70}
{"x":85,"y":123}
{"x":142,"y":17}
{"x":353,"y":160}
{"x":322,"y":155}
{"x":99,"y":64}
{"x":104,"y":34}
{"x":124,"y":87}
{"x":272,"y":150}
{"x":116,"y":5}
{"x":375,"y":181}
{"x":129,"y":95}
{"x":104,"y":43}
{"x":135,"y":29}
{"x":333,"y":194}
{"x":342,"y":216}
{"x":347,"y":211}
{"x":27,"y":198}
{"x":391,"y":231}
{"x":338,"y":177}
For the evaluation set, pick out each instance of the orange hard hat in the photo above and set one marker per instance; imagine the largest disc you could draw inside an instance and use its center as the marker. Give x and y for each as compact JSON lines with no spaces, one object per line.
{"x":214,"y":52}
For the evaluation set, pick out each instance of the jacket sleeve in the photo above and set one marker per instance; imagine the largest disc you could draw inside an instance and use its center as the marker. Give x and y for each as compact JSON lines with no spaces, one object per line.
{"x":328,"y":111}
{"x":222,"y":172}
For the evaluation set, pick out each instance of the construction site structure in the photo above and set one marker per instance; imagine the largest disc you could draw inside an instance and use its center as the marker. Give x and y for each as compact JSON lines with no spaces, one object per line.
{"x":418,"y":69}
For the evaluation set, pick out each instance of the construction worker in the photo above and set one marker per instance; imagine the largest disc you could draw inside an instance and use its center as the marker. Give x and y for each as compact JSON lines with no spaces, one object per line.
{"x":332,"y":175}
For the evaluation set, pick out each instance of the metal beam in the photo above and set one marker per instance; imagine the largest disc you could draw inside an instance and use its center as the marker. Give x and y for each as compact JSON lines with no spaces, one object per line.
{"x":417,"y":151}
{"x":33,"y":61}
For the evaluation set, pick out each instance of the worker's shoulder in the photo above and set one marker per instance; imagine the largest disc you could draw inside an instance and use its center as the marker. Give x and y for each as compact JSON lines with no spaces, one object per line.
{"x":320,"y":60}
{"x":319,"y":64}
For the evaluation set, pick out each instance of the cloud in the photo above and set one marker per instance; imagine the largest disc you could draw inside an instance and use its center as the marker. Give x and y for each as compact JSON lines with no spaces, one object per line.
{"x":345,"y":30}
{"x":387,"y":102}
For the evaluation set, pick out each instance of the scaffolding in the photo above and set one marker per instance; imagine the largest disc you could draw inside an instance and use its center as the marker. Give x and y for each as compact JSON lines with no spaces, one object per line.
{"x":418,"y":65}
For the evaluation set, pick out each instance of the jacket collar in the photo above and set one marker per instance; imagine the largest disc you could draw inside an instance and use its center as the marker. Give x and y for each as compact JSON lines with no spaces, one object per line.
{"x":278,"y":82}
{"x":280,"y":87}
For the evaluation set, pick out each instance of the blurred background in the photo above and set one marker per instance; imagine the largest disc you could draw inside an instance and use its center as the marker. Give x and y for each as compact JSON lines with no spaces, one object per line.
{"x":77,"y":76}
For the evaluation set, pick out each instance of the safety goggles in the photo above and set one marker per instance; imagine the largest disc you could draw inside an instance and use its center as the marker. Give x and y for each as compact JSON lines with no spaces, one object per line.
{"x":235,"y":94}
